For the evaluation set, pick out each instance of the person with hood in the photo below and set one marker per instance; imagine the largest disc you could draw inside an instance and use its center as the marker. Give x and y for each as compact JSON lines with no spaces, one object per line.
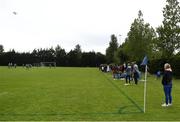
{"x":167,"y":84}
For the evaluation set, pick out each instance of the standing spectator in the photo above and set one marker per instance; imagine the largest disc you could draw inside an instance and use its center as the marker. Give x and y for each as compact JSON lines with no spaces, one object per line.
{"x":125,"y":65}
{"x":167,"y":84}
{"x":135,"y":73}
{"x":108,"y":68}
{"x":128,"y":74}
{"x":118,"y":71}
{"x":105,"y":68}
{"x":132,"y":69}
{"x":102,"y":68}
{"x":113,"y":71}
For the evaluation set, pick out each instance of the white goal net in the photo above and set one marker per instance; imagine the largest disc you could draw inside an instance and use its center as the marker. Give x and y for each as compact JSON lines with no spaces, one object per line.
{"x":48,"y":64}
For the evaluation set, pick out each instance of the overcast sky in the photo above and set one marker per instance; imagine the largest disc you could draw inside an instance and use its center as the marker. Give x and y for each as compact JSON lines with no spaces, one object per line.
{"x":46,"y":23}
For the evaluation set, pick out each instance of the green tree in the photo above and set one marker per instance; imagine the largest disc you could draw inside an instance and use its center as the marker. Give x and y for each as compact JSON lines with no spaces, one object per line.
{"x":88,"y":59}
{"x":111,"y":50}
{"x":78,"y":49}
{"x":1,"y":49}
{"x":60,"y":56}
{"x":74,"y":56}
{"x":139,"y":40}
{"x":169,"y":31}
{"x":121,"y":55}
{"x":100,"y":58}
{"x":78,"y":53}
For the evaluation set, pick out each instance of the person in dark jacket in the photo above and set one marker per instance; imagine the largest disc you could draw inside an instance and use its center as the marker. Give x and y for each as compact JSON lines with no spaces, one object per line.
{"x":128,"y":74}
{"x":135,"y":73}
{"x":167,"y":84}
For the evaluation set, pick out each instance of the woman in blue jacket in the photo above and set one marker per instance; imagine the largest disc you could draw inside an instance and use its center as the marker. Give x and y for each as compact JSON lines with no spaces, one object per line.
{"x":167,"y":84}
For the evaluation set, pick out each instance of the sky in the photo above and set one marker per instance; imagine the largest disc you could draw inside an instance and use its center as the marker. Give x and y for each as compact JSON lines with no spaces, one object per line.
{"x":89,"y":23}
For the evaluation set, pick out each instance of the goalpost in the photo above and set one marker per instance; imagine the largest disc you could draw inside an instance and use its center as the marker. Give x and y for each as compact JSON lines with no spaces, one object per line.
{"x":48,"y":64}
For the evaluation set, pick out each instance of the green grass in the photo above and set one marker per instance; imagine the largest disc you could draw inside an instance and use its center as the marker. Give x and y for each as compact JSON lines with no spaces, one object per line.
{"x":80,"y":94}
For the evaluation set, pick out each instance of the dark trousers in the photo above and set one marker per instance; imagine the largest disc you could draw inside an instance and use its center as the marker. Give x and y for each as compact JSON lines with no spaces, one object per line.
{"x":136,"y":78}
{"x":128,"y":78}
{"x":167,"y":92}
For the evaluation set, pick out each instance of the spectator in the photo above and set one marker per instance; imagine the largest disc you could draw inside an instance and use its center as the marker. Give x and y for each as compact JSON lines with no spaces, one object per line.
{"x":128,"y":74}
{"x":135,"y":73}
{"x":167,"y":84}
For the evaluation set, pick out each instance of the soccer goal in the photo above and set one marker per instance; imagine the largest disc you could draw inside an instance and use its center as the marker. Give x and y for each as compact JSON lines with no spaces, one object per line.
{"x":48,"y":64}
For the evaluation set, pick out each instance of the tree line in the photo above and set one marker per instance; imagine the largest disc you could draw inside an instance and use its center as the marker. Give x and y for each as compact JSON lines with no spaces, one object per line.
{"x":74,"y":58}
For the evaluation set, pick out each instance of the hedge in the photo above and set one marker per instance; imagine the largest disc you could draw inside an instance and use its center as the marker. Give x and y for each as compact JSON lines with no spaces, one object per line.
{"x":155,"y":65}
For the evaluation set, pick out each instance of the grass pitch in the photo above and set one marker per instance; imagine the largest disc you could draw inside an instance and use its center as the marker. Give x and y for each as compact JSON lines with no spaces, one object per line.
{"x":80,"y":94}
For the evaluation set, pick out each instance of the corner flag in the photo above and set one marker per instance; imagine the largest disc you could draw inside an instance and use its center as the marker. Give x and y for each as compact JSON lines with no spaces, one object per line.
{"x":145,"y":61}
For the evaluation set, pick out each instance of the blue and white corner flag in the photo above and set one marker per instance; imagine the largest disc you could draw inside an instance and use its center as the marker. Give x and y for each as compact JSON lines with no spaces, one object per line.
{"x":145,"y":61}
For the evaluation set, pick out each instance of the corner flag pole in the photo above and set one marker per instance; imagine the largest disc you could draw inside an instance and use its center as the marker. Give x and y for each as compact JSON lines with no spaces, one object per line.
{"x":144,"y":63}
{"x":145,"y":80}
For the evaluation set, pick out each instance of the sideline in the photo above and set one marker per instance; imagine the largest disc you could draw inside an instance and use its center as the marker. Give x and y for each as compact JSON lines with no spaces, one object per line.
{"x":122,"y":92}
